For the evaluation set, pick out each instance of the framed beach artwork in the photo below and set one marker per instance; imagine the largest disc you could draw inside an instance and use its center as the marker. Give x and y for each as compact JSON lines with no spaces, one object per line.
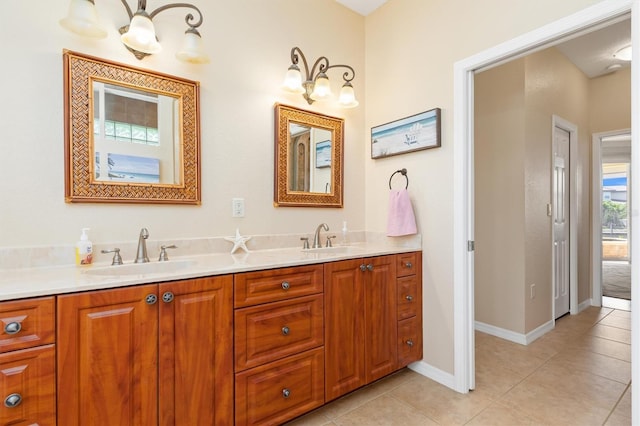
{"x":414,"y":133}
{"x":323,"y":154}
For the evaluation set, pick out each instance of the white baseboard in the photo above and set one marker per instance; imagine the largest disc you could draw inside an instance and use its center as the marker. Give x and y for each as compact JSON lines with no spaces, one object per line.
{"x":512,"y":336}
{"x":584,"y":305}
{"x":433,"y":373}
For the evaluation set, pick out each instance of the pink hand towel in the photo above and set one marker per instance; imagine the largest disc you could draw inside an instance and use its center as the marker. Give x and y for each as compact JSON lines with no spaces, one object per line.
{"x":401,"y":220}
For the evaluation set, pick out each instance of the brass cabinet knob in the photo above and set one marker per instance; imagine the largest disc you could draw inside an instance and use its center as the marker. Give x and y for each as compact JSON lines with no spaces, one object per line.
{"x":285,"y":331}
{"x":286,"y":393}
{"x":13,"y":400}
{"x":167,"y":297}
{"x":408,"y":265}
{"x":151,"y":299}
{"x":285,"y":285}
{"x":409,"y":297}
{"x":409,"y":343}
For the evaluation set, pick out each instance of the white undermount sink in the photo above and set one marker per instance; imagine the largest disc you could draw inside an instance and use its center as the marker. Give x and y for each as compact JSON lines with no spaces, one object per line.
{"x":142,"y":268}
{"x":333,"y":250}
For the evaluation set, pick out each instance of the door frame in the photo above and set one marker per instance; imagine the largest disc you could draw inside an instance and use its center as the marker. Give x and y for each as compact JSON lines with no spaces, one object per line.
{"x":600,"y":14}
{"x":596,"y":212}
{"x":572,"y":129}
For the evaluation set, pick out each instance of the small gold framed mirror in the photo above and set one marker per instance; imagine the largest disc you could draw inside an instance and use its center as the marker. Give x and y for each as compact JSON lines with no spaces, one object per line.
{"x":308,"y":158}
{"x":131,"y":135}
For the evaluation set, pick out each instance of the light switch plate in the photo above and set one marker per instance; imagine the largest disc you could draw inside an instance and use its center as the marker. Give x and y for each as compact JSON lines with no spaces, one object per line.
{"x":237,"y":207}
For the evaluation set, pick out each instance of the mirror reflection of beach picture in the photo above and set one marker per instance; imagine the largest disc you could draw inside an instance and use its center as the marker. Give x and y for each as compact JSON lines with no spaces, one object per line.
{"x":136,"y":129}
{"x":414,"y":133}
{"x":323,"y":154}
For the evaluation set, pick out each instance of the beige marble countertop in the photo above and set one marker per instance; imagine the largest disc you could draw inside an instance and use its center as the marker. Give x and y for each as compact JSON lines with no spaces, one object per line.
{"x":41,"y":281}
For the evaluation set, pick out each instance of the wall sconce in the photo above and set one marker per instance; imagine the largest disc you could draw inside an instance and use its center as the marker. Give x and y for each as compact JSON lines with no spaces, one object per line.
{"x":316,"y":86}
{"x":140,"y":35}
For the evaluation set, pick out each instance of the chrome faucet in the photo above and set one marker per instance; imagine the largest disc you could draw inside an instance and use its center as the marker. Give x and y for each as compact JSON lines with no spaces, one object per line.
{"x":142,"y":257}
{"x":316,"y":237}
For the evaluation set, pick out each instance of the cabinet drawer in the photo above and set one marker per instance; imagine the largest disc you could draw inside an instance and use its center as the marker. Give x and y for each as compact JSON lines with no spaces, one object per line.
{"x":409,"y":297}
{"x":27,"y":387}
{"x":407,"y":264}
{"x":272,"y":331}
{"x":26,"y":323}
{"x":409,"y":341}
{"x":277,"y":392}
{"x":252,"y":288}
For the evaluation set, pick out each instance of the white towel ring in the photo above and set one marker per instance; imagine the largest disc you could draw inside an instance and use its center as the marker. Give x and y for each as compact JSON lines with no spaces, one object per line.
{"x":403,"y":172}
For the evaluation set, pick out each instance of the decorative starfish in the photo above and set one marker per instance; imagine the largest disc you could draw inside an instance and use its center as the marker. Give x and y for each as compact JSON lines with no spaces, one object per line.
{"x":239,"y":242}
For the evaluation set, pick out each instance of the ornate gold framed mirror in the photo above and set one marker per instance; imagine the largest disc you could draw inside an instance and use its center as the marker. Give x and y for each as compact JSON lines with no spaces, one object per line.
{"x":308,"y":158}
{"x":131,"y":135}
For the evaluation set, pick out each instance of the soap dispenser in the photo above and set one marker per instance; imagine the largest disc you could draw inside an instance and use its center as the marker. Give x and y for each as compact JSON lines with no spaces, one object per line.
{"x":84,"y":249}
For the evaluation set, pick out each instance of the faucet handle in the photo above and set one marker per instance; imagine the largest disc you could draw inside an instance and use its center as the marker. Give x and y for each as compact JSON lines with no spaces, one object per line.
{"x":305,"y":245}
{"x":117,"y":259}
{"x":163,"y":252}
{"x":329,"y":237}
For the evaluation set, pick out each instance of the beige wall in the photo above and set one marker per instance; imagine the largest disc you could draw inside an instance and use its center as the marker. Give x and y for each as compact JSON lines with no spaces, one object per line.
{"x":499,"y":149}
{"x":249,"y":42}
{"x":610,"y":101}
{"x":411,"y":48}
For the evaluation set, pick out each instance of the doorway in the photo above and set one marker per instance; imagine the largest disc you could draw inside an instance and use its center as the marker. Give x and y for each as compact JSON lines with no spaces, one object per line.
{"x":612,"y":219}
{"x":463,"y":154}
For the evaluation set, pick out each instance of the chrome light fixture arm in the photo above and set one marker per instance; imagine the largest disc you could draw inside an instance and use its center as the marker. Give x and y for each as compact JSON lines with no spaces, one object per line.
{"x":322,"y":65}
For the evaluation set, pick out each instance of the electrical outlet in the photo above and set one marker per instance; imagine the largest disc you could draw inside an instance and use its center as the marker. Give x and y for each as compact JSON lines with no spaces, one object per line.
{"x":533,"y":291}
{"x":237,"y":207}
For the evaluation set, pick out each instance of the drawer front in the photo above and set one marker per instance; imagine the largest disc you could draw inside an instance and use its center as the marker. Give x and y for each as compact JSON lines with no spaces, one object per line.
{"x":409,"y":297}
{"x":274,"y":330}
{"x":407,"y":264}
{"x":27,"y":323}
{"x":279,"y":391}
{"x":252,"y":288}
{"x":409,"y":341}
{"x":27,"y":387}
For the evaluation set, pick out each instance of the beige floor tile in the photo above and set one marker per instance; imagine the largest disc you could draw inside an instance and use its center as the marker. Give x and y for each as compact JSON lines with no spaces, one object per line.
{"x":552,"y":395}
{"x":384,"y":411}
{"x":603,"y":346}
{"x":618,"y":420}
{"x":616,"y":321}
{"x":314,"y":418}
{"x":611,"y":333}
{"x":621,"y":313}
{"x":500,"y":415}
{"x":440,"y":403}
{"x":494,"y":379}
{"x":591,"y":362}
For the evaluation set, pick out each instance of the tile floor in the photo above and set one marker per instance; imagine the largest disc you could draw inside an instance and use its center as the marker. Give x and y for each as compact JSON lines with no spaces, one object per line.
{"x":577,"y":374}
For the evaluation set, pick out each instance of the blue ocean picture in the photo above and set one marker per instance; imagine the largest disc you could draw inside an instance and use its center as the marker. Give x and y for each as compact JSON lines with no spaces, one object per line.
{"x":131,"y":168}
{"x":408,"y":134}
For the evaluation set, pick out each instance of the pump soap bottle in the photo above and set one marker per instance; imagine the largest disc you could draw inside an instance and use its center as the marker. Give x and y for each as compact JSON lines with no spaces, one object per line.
{"x":84,"y":249}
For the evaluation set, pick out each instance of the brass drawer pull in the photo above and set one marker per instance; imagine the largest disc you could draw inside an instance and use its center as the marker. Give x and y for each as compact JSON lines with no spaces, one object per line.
{"x":408,"y":265}
{"x":13,"y":400}
{"x":286,"y":393}
{"x":285,"y":331}
{"x":13,"y":327}
{"x":285,"y":285}
{"x":409,"y":343}
{"x":409,"y":298}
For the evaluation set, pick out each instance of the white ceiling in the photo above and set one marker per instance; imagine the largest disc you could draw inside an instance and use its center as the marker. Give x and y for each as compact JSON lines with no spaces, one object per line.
{"x":363,"y":7}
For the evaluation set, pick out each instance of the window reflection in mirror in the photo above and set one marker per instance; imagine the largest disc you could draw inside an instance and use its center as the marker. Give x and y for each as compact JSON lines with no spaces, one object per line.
{"x":309,"y":159}
{"x":134,"y":134}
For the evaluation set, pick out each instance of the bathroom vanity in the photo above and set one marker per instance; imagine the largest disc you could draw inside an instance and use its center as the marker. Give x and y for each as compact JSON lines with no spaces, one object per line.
{"x":260,"y":340}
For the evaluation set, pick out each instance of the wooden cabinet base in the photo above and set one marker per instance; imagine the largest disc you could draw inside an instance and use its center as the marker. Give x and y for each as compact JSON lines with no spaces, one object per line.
{"x":27,"y":386}
{"x":276,"y":392}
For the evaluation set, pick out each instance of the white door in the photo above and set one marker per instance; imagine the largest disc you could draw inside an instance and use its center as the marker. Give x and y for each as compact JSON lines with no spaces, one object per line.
{"x":561,"y":205}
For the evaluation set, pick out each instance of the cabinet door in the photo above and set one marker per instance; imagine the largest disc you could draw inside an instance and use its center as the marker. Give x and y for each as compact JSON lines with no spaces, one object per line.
{"x":380,"y":319}
{"x":196,"y":352}
{"x":107,"y":357}
{"x":27,"y":387}
{"x":344,"y":327}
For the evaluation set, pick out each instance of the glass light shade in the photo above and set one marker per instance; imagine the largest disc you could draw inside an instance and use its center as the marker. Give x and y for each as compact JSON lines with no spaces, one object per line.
{"x":191,"y":50}
{"x":347,"y":98}
{"x":82,"y":19}
{"x":141,"y":35}
{"x":321,"y":88}
{"x":293,"y":80}
{"x":623,"y":54}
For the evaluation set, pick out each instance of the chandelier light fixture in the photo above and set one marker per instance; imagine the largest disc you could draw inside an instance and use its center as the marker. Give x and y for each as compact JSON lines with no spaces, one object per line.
{"x":139,"y":36}
{"x":315,"y":86}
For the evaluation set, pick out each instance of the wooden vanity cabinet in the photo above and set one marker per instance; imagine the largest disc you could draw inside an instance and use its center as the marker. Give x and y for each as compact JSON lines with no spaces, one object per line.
{"x":409,"y":267}
{"x":158,"y":354}
{"x":279,"y":344}
{"x":27,"y":362}
{"x":360,"y":323}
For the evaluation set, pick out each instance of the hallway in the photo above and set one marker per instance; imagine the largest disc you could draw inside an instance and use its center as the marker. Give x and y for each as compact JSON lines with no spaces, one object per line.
{"x":577,"y":374}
